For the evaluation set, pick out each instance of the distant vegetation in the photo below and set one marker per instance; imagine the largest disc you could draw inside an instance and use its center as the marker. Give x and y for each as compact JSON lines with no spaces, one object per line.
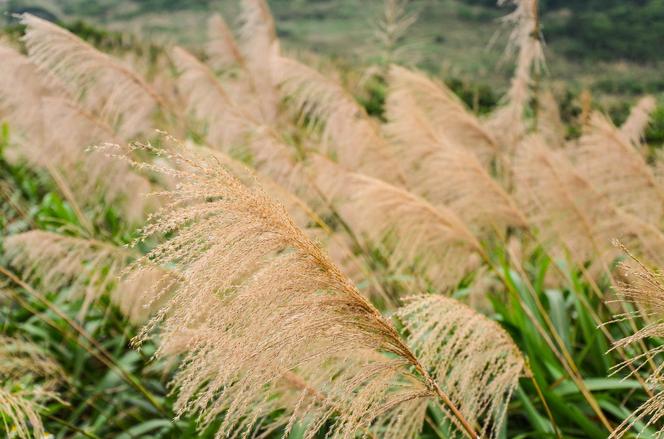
{"x":603,"y":29}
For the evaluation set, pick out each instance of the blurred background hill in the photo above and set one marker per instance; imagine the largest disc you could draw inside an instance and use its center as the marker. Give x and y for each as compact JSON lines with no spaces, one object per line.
{"x":603,"y":44}
{"x":613,"y":48}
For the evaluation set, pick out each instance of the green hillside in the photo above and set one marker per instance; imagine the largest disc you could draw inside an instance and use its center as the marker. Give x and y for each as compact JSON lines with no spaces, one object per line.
{"x":608,"y":46}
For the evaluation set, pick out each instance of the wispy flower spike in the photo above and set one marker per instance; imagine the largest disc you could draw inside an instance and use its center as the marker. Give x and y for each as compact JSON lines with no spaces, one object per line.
{"x":257,"y":300}
{"x":643,"y":288}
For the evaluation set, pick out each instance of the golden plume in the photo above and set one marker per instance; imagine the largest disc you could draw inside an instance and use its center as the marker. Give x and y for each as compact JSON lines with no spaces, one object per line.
{"x":90,"y":175}
{"x":466,"y":351}
{"x":259,"y":44}
{"x":562,"y":205}
{"x":455,"y":178}
{"x":258,"y":300}
{"x":54,"y":132}
{"x":21,"y":91}
{"x":208,"y":100}
{"x":441,"y":170}
{"x":87,"y":268}
{"x":569,"y":210}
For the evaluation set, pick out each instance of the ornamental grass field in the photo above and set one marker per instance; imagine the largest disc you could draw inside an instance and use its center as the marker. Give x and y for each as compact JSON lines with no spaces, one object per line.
{"x":239,"y":241}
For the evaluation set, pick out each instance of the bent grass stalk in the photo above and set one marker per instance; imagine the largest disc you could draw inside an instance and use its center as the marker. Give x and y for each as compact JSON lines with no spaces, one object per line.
{"x":95,"y":348}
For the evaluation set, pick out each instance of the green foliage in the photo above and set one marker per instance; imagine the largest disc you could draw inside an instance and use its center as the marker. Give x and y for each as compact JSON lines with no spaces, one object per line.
{"x":602,"y":29}
{"x":655,"y":131}
{"x":628,"y":85}
{"x":479,"y":97}
{"x":98,"y":37}
{"x":373,"y":99}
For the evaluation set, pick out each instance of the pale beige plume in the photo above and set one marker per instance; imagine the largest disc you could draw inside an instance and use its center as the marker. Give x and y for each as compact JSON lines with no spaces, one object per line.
{"x":428,"y":239}
{"x":303,"y":214}
{"x":572,"y":215}
{"x":562,"y":205}
{"x":85,"y":268}
{"x":605,"y":156}
{"x":440,"y":169}
{"x":256,"y":96}
{"x":91,"y":176}
{"x":21,"y":91}
{"x":259,"y":44}
{"x":103,"y":84}
{"x":454,"y":178}
{"x":53,"y":132}
{"x":635,"y":126}
{"x":207,"y":99}
{"x":349,"y":135}
{"x":28,"y":378}
{"x":257,"y":301}
{"x":644,"y":289}
{"x":221,"y":48}
{"x":419,"y":106}
{"x":390,"y":30}
{"x":466,"y":351}
{"x":507,"y":123}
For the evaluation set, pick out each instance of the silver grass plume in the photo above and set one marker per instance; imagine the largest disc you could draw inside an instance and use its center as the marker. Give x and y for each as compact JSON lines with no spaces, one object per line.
{"x":233,"y":126}
{"x":561,"y":205}
{"x":298,"y":209}
{"x":90,"y":175}
{"x":209,"y":101}
{"x":390,"y":30}
{"x":53,"y":133}
{"x":221,"y":48}
{"x":465,"y":350}
{"x":85,"y":268}
{"x":454,"y":178}
{"x":619,"y":171}
{"x":225,"y":56}
{"x":507,"y":123}
{"x":571,"y":212}
{"x":21,"y":90}
{"x":438,"y":165}
{"x":635,"y":126}
{"x":643,"y":288}
{"x":270,"y":156}
{"x":101,"y":83}
{"x":259,"y":44}
{"x":28,"y":378}
{"x":349,"y":135}
{"x":429,"y":239}
{"x":337,"y":244}
{"x":419,"y":106}
{"x":256,"y":302}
